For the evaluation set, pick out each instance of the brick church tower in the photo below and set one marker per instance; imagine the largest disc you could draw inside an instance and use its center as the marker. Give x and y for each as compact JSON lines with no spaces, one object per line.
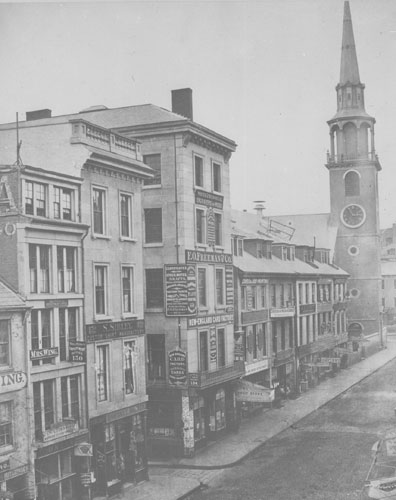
{"x":353,"y":168}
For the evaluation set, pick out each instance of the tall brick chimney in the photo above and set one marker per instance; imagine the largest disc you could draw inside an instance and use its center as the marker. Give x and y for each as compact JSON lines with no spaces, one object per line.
{"x":182,"y":102}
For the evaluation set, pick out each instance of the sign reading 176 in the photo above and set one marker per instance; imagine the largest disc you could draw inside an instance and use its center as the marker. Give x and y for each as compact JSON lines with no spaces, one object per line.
{"x":9,"y":228}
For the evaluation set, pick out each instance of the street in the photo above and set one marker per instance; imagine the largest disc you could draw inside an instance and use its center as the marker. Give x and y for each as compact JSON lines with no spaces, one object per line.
{"x":326,"y":456}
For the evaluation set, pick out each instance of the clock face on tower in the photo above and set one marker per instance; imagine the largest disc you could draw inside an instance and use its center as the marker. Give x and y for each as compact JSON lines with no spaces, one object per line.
{"x":353,"y":216}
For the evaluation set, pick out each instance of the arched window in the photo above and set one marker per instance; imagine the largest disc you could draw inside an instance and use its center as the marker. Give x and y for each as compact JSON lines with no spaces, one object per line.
{"x":352,"y":184}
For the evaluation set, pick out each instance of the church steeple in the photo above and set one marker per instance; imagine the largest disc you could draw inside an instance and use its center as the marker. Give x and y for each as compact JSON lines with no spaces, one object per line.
{"x":351,"y":129}
{"x":349,"y":65}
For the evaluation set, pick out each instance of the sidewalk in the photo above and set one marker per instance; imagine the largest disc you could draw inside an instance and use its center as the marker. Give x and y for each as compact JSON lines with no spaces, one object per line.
{"x":175,"y":479}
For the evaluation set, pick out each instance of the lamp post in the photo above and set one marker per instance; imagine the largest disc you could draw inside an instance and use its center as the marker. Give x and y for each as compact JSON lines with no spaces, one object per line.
{"x":381,"y":320}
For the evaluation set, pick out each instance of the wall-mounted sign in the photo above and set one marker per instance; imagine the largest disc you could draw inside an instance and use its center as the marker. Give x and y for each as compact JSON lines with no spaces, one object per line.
{"x":177,"y":362}
{"x":229,"y":276}
{"x":239,"y":351}
{"x":180,"y":289}
{"x":196,"y":256}
{"x":253,"y":393}
{"x":208,"y":199}
{"x":56,"y":303}
{"x":77,"y":351}
{"x":307,"y":308}
{"x":283,"y":312}
{"x":17,"y":471}
{"x":60,"y":429}
{"x":210,"y":227}
{"x":37,"y":354}
{"x":254,"y":281}
{"x":213,"y":347}
{"x":213,"y":319}
{"x":256,"y":366}
{"x":12,"y":381}
{"x":114,"y":329}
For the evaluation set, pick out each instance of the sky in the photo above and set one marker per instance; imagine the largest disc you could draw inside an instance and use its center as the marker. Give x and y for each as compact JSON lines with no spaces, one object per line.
{"x":263,"y":73}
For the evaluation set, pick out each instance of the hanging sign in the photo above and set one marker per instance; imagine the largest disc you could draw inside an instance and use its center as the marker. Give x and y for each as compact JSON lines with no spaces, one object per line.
{"x":83,"y":450}
{"x":177,"y":361}
{"x":229,"y":276}
{"x":213,"y":347}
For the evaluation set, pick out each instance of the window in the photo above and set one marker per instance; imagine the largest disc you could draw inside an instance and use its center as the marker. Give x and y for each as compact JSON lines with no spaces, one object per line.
{"x":216,"y":171}
{"x":306,"y":293}
{"x":220,"y":287}
{"x":127,"y":290}
{"x":35,"y":198}
{"x":153,"y":225}
{"x":291,"y":339}
{"x":6,"y":424}
{"x":394,"y":283}
{"x":63,"y":203}
{"x":156,"y":356}
{"x":202,"y":302}
{"x":154,"y":288}
{"x":240,"y":247}
{"x":41,"y":332}
{"x":313,"y":293}
{"x":44,"y":406}
{"x":282,"y":295}
{"x":254,"y":341}
{"x":70,"y":397}
{"x":39,"y":265}
{"x":4,"y":343}
{"x":253,"y":294}
{"x":383,"y":284}
{"x":274,"y":338}
{"x":352,"y":184}
{"x":200,"y":225}
{"x":203,"y":351}
{"x":102,"y":372}
{"x":66,"y":261}
{"x":221,"y":354}
{"x":126,"y":215}
{"x":130,"y":356}
{"x":263,"y":296}
{"x":244,"y":298}
{"x":218,"y":229}
{"x":273,"y":296}
{"x":101,"y":290}
{"x":153,"y":161}
{"x":198,"y":171}
{"x":264,"y":334}
{"x":67,"y":330}
{"x":99,"y":211}
{"x":283,"y":335}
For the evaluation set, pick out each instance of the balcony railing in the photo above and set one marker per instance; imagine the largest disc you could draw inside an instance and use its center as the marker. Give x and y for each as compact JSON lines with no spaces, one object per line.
{"x":221,"y":375}
{"x":84,"y":132}
{"x":344,"y":158}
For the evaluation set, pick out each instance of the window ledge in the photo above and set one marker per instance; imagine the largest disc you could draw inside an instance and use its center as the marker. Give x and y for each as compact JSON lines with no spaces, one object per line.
{"x":129,"y":315}
{"x":152,"y":186}
{"x":154,"y":309}
{"x":99,"y":319}
{"x":95,"y":236}
{"x":131,"y":240}
{"x":153,"y":245}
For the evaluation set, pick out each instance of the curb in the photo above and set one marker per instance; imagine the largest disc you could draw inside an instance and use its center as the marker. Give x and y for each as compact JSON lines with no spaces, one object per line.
{"x":259,"y":445}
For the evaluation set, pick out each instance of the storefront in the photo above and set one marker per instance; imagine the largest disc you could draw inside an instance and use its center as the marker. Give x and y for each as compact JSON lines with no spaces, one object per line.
{"x":14,"y":480}
{"x":59,"y":472}
{"x":119,"y":448}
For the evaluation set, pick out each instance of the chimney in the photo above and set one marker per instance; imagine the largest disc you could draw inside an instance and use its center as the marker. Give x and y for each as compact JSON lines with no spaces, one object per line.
{"x":38,"y":114}
{"x":182,"y":102}
{"x":259,"y":207}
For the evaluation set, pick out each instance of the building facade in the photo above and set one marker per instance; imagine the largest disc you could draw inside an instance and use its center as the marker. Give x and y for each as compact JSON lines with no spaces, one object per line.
{"x":16,"y":453}
{"x":76,"y":255}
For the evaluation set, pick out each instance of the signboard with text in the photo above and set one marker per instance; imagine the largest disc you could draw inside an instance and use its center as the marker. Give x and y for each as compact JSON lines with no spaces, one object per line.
{"x":210,"y":227}
{"x":37,"y":354}
{"x":114,"y":329}
{"x":177,"y":363}
{"x":180,"y":289}
{"x":212,"y":319}
{"x":229,"y":276}
{"x":199,"y":257}
{"x":77,"y":351}
{"x":253,"y":393}
{"x":12,"y":381}
{"x":208,"y":199}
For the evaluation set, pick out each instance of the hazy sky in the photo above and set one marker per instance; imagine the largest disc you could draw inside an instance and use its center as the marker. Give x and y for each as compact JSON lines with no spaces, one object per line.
{"x":262,"y":72}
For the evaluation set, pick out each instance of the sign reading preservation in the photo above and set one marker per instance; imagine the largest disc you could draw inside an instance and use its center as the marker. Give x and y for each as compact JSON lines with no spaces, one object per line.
{"x":177,"y":360}
{"x":180,"y":289}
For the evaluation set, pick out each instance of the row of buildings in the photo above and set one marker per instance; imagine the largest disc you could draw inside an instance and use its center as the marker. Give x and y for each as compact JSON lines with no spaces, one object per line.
{"x":139,"y":313}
